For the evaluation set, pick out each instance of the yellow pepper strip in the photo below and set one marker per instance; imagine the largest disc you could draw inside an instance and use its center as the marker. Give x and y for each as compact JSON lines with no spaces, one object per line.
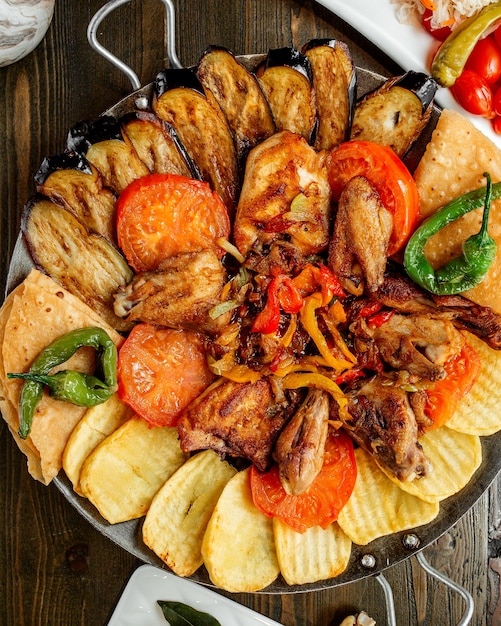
{"x":340,"y":342}
{"x":242,"y":374}
{"x":310,"y":324}
{"x":319,"y":381}
{"x":289,"y":333}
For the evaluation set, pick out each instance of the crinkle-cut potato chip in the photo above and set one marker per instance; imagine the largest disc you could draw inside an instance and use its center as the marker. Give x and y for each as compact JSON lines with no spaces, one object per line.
{"x":479,"y":412}
{"x":378,"y":507}
{"x":316,"y":554}
{"x":179,"y":513}
{"x":454,"y":458}
{"x":97,"y":423}
{"x":238,"y":546}
{"x":453,"y":163}
{"x":40,"y":303}
{"x":121,"y":476}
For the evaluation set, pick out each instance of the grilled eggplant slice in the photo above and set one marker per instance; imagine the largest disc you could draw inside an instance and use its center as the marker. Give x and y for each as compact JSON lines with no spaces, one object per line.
{"x":70,"y":180}
{"x":335,"y":83}
{"x":240,"y":97}
{"x":180,"y":99}
{"x":396,"y":113}
{"x":84,"y":263}
{"x":157,"y":144}
{"x":104,"y":145}
{"x":287,"y":80}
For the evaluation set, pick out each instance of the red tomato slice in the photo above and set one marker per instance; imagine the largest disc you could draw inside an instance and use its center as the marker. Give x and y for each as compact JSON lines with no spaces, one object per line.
{"x":321,"y":503}
{"x":160,"y":371}
{"x":161,"y":215}
{"x":462,"y":372}
{"x":391,"y":178}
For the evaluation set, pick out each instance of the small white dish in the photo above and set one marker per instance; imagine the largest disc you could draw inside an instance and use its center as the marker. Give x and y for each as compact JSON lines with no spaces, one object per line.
{"x":138,"y":602}
{"x":408,"y":45}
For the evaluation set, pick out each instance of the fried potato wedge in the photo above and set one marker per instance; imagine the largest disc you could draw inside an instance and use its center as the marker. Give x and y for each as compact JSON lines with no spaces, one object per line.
{"x":316,"y":554}
{"x":247,"y":562}
{"x":454,"y":457}
{"x":125,"y":471}
{"x":378,"y":507}
{"x":479,"y":412}
{"x":179,"y":513}
{"x":97,"y":423}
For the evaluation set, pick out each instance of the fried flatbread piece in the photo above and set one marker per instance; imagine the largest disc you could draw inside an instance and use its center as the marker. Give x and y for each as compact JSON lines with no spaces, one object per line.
{"x":36,"y":313}
{"x":454,"y":163}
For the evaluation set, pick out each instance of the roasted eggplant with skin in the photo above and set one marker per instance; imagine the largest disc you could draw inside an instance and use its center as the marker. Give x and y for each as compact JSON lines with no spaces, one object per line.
{"x":396,"y":113}
{"x":335,"y":84}
{"x":240,"y":97}
{"x":157,"y":144}
{"x":180,"y":99}
{"x":70,"y":180}
{"x":84,"y":263}
{"x":104,"y":145}
{"x":287,"y":80}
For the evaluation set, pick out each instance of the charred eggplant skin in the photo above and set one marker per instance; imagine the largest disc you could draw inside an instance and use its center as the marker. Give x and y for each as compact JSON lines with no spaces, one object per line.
{"x":167,"y":135}
{"x":396,"y":113}
{"x":286,"y":78}
{"x":240,"y":96}
{"x":86,"y":133}
{"x":63,"y":161}
{"x":180,"y":99}
{"x":335,"y":84}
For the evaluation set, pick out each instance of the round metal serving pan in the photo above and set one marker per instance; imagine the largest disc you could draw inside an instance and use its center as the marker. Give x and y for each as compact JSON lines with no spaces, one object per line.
{"x":384,"y":552}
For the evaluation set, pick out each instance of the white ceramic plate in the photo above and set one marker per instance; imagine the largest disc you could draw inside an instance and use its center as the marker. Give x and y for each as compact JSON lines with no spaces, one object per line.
{"x":138,"y":603}
{"x":408,"y":45}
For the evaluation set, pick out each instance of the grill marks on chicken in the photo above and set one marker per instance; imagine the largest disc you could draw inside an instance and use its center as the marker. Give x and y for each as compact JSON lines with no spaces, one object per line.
{"x":179,"y":294}
{"x":362,"y":230}
{"x":238,"y":419}
{"x":381,"y":420}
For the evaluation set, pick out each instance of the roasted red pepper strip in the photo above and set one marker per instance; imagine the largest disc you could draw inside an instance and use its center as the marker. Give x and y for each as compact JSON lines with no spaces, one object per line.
{"x":381,"y":318}
{"x":282,"y":294}
{"x":314,"y":276}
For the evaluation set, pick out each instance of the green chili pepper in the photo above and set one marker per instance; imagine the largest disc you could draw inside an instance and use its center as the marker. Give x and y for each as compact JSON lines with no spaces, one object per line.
{"x":75,"y":387}
{"x":452,"y":55}
{"x":479,"y":251}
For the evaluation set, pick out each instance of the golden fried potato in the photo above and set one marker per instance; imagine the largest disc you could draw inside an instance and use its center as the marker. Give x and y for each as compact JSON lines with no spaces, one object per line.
{"x":378,"y":507}
{"x":121,"y":476}
{"x":479,"y":411}
{"x":316,"y":554}
{"x":179,"y":513}
{"x":454,"y":457}
{"x":238,"y":546}
{"x":97,"y":423}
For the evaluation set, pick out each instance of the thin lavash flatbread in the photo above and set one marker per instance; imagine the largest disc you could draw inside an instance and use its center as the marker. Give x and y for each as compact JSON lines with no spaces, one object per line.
{"x":33,"y":315}
{"x":454,"y":163}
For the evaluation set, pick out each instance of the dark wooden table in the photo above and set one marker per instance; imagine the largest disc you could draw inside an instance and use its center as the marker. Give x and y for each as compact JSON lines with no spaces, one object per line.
{"x":56,"y":569}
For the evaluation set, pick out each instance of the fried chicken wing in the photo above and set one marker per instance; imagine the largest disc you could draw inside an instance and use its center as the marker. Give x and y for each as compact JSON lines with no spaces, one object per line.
{"x":285,"y":196}
{"x":300,"y":448}
{"x":179,"y":294}
{"x":358,"y":247}
{"x":380,"y":418}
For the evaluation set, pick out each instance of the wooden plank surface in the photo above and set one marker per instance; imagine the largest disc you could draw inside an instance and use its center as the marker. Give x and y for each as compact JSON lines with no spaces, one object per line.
{"x":56,"y":569}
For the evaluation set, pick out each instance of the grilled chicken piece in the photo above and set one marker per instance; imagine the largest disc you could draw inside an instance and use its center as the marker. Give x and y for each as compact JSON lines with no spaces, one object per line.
{"x":179,"y":294}
{"x":300,"y":448}
{"x":358,"y":247}
{"x":381,"y":420}
{"x":419,"y":344}
{"x":285,"y":196}
{"x":400,"y":293}
{"x":236,"y":419}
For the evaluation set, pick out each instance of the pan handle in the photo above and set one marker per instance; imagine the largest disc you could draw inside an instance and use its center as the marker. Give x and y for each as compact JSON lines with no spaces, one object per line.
{"x":131,"y":75}
{"x":388,"y":594}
